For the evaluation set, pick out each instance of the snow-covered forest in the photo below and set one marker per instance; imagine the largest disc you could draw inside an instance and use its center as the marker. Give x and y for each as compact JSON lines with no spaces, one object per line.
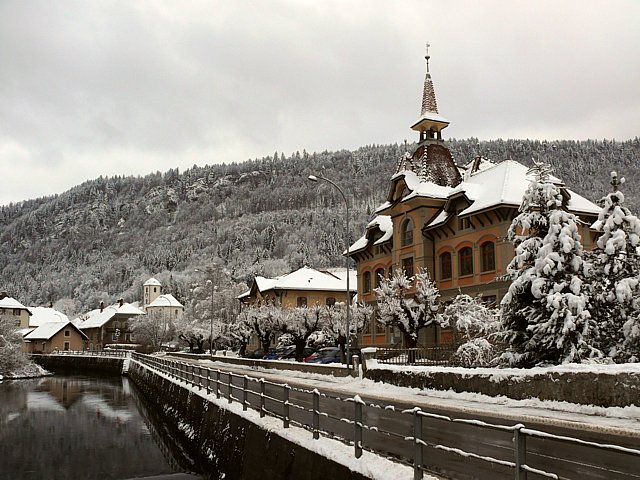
{"x":102,"y":239}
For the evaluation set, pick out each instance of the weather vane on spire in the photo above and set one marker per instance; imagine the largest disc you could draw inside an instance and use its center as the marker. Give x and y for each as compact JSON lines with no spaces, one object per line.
{"x":427,"y":57}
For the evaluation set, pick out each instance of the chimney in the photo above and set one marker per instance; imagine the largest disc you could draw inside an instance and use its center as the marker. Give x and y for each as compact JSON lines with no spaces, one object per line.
{"x":121,"y":301}
{"x":3,"y":295}
{"x":101,"y":306}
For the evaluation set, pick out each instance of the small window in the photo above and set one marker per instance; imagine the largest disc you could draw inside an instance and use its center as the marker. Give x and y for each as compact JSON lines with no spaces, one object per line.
{"x":379,"y":276}
{"x":114,"y":337}
{"x":155,"y":289}
{"x":407,"y":232}
{"x":16,"y":312}
{"x":445,"y":266}
{"x":366,"y":282}
{"x":490,"y":301}
{"x":464,"y":223}
{"x":330,"y":301}
{"x":67,"y":333}
{"x":407,"y":266}
{"x":302,"y":302}
{"x":488,"y":251}
{"x":176,"y":311}
{"x":67,"y":346}
{"x":116,"y":324}
{"x":465,"y":261}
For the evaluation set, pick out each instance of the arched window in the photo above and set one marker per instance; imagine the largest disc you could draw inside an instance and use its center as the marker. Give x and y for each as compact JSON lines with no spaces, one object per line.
{"x":366,"y":282}
{"x":488,"y":252}
{"x":407,"y":232}
{"x":445,"y":266}
{"x":379,"y":276}
{"x":465,"y":261}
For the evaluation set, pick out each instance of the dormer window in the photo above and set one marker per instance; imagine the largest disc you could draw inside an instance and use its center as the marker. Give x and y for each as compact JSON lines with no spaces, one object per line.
{"x":464,"y":223}
{"x":407,"y":232}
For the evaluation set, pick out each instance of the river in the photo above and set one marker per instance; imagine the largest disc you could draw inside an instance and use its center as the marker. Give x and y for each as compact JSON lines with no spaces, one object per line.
{"x":79,"y":427}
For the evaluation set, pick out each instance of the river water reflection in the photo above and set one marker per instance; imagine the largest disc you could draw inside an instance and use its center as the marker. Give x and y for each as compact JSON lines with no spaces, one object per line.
{"x":78,"y":427}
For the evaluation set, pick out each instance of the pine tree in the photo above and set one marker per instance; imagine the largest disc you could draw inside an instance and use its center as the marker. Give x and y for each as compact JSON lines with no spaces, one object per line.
{"x":617,"y":272}
{"x":526,"y":234}
{"x":550,"y":275}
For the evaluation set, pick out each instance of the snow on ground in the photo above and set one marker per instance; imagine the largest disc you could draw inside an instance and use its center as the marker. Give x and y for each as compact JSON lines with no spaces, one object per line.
{"x":369,"y":465}
{"x":30,"y":370}
{"x":624,"y":421}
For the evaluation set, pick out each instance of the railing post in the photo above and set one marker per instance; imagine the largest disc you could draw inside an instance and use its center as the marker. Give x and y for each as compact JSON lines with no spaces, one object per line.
{"x":262,"y":389}
{"x":417,"y":438}
{"x":245,"y":387}
{"x":520,"y":446}
{"x":217,"y":383}
{"x":208,"y":381}
{"x":230,"y":387}
{"x":285,"y":406}
{"x":357,"y":426}
{"x":316,"y":414}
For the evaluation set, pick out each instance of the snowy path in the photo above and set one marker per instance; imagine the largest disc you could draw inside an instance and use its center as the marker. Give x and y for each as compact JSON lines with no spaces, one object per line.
{"x":622,"y":422}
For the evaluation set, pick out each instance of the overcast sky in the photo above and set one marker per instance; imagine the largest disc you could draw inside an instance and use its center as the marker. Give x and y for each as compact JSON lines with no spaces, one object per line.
{"x":92,"y":88}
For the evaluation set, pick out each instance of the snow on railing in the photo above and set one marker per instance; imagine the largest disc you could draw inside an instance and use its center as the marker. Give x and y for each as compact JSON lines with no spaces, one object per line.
{"x":275,"y":399}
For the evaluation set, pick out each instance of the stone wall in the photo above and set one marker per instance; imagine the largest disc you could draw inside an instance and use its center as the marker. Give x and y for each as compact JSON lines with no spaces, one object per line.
{"x":605,"y":390}
{"x":79,"y":364}
{"x":225,"y":445}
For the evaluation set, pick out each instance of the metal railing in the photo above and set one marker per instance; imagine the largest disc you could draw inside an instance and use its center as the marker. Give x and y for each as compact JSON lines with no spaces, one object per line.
{"x":402,"y":435}
{"x":93,"y":353}
{"x":440,"y":355}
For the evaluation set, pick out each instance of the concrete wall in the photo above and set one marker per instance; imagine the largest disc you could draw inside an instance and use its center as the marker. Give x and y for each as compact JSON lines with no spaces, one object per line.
{"x":79,"y":364}
{"x":228,"y":446}
{"x":603,"y":390}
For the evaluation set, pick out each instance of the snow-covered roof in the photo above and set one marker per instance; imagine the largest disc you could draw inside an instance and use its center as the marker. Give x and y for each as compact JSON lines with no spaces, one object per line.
{"x":42,"y":315}
{"x":166,"y":300}
{"x":96,"y":318}
{"x":47,"y":330}
{"x":382,"y":222}
{"x":8,"y":302}
{"x":152,"y":282}
{"x":304,"y":278}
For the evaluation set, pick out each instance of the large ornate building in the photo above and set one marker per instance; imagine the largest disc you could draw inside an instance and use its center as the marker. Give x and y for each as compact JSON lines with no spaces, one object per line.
{"x":449,"y":220}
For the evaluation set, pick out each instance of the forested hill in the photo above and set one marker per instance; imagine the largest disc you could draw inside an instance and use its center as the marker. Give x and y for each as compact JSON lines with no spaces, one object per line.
{"x":102,"y":239}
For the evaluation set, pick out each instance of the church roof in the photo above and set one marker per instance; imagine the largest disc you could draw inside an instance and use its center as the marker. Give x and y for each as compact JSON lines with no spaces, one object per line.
{"x":152,"y":282}
{"x":166,"y":300}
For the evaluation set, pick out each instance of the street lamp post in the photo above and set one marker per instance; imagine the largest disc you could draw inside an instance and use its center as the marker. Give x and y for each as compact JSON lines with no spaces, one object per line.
{"x":211,"y":321}
{"x":315,"y":178}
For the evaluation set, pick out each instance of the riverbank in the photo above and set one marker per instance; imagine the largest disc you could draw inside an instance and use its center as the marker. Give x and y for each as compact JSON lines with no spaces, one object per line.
{"x":30,"y":370}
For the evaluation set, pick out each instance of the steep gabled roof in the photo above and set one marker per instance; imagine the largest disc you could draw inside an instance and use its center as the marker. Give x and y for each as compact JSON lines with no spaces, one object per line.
{"x":42,"y":315}
{"x":96,"y":318}
{"x":48,"y":330}
{"x":8,"y":302}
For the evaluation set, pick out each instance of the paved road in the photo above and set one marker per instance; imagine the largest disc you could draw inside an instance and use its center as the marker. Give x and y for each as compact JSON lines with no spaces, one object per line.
{"x":567,"y":460}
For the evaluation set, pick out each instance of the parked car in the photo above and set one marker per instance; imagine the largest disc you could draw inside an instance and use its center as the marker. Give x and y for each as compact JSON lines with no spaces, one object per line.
{"x":280,"y":352}
{"x":307,"y":351}
{"x":325,"y":355}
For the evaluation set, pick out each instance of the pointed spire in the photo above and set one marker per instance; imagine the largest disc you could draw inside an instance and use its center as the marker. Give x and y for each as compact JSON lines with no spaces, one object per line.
{"x":431,"y":122}
{"x":429,"y":103}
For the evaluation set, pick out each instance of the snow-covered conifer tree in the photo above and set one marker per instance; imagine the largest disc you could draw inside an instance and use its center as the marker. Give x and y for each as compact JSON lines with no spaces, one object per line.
{"x":526,"y":232}
{"x":408,"y":303}
{"x":616,"y":266}
{"x":548,"y":295}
